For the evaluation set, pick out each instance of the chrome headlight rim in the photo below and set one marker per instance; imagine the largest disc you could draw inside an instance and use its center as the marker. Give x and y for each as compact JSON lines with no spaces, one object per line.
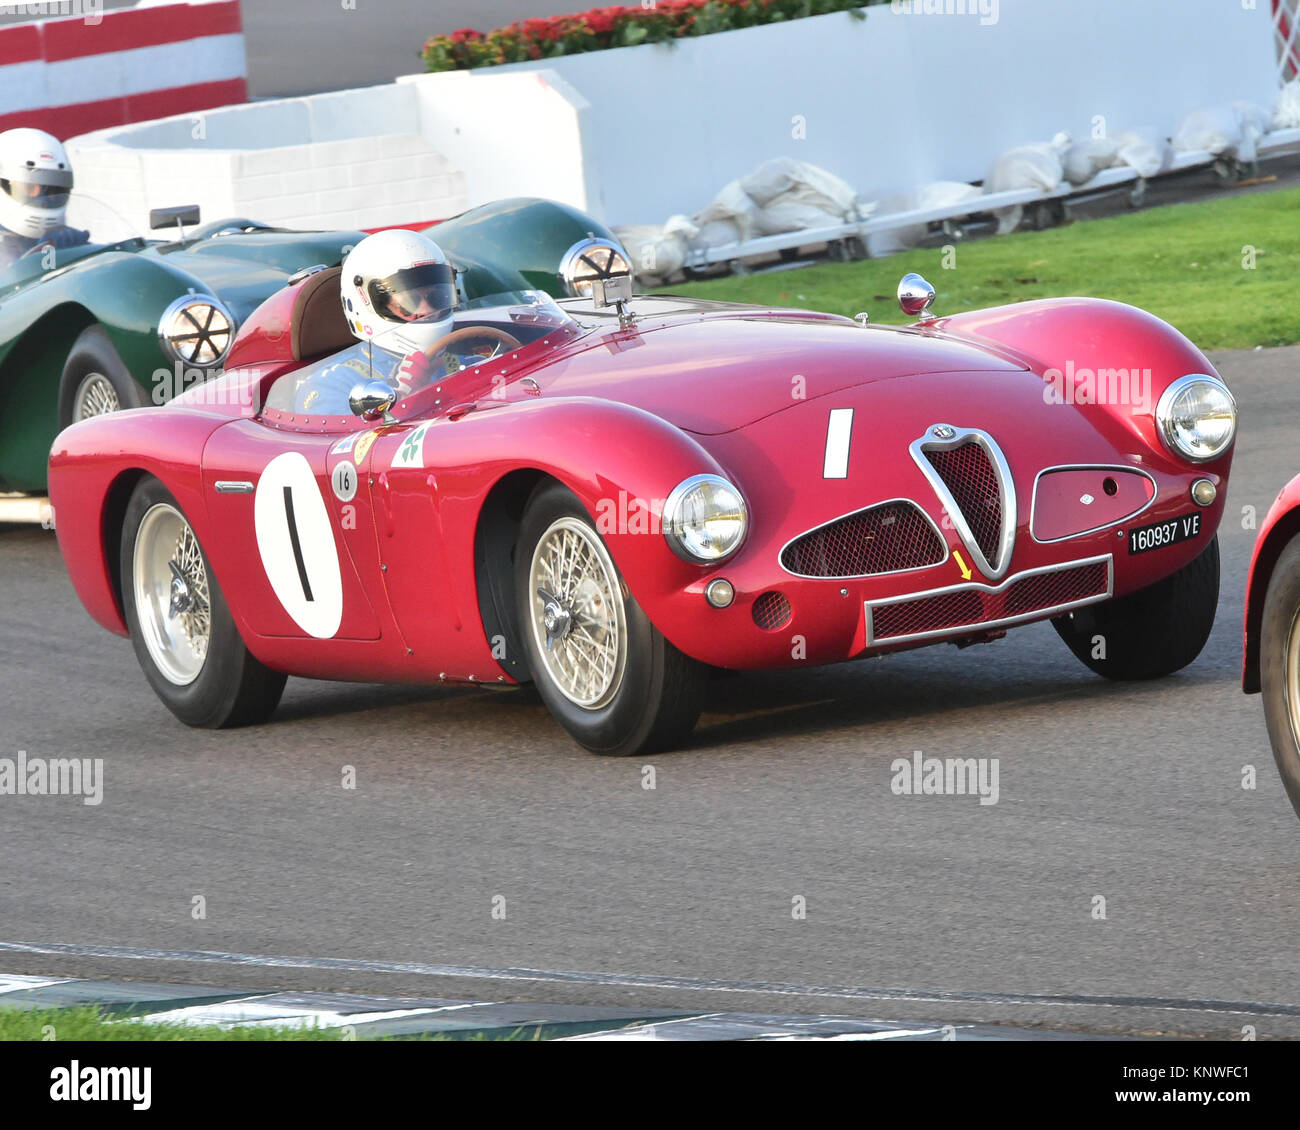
{"x":1164,"y":422}
{"x":673,"y":526}
{"x":582,"y":264}
{"x":215,"y":332}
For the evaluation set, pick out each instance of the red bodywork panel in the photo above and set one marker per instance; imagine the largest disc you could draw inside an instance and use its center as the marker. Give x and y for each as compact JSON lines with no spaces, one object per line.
{"x":1280,"y":525}
{"x":621,"y":416}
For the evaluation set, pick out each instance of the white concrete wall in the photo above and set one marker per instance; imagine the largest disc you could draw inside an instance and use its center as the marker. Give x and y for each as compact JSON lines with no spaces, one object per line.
{"x":889,"y":102}
{"x":520,"y":133}
{"x":634,"y":135}
{"x":317,"y":162}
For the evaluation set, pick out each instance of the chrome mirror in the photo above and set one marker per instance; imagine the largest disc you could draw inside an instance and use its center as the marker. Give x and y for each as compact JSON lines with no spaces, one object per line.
{"x":915,"y":295}
{"x":371,"y":400}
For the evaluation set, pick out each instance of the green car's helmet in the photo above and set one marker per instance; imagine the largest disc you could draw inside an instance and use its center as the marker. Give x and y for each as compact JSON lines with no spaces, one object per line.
{"x":399,"y":285}
{"x":35,"y":179}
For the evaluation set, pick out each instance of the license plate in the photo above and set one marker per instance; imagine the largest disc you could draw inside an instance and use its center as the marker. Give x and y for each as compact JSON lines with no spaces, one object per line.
{"x":1160,"y":534}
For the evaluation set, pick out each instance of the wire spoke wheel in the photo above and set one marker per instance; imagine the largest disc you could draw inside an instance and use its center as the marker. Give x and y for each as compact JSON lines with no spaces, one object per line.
{"x":95,"y":396}
{"x":1292,"y":671}
{"x":578,"y":620}
{"x":172,"y":598}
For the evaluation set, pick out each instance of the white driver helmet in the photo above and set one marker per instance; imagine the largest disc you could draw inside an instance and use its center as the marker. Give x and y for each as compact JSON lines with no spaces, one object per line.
{"x":398,"y":285}
{"x":35,"y":179}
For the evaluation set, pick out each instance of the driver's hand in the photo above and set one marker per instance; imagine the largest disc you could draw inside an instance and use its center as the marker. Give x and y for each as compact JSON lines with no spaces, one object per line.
{"x":413,"y":373}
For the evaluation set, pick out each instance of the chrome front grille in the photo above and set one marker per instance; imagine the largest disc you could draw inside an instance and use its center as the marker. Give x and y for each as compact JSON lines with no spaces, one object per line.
{"x":972,"y":480}
{"x":967,"y":471}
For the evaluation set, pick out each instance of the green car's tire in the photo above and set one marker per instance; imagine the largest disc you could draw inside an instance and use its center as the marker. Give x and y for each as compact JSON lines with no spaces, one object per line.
{"x":1150,"y":633}
{"x":181,"y":627}
{"x":95,"y":381}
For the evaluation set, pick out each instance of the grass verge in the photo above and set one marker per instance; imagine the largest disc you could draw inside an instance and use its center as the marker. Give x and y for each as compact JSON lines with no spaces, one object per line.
{"x":1185,"y":263}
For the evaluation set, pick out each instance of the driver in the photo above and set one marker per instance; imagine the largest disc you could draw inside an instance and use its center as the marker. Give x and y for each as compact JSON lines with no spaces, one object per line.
{"x":35,"y":179}
{"x":399,"y":295}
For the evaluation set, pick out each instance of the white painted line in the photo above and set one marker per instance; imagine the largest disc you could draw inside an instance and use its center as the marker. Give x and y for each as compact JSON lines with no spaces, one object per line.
{"x":16,"y":983}
{"x":839,"y":430}
{"x":888,"y":1034}
{"x":649,"y":981}
{"x":255,"y":1012}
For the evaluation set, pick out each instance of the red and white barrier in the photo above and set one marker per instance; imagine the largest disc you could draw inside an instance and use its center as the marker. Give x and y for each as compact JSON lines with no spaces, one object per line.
{"x":88,"y":72}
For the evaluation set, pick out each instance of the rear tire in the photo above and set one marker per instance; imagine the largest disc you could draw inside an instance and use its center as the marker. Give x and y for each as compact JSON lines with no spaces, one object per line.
{"x":1150,"y":633}
{"x":611,"y":679}
{"x":181,"y":627}
{"x":95,"y":381}
{"x":1280,"y":668}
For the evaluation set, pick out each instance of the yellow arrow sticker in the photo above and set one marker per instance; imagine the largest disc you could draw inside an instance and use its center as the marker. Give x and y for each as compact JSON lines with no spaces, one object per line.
{"x":961,"y":564}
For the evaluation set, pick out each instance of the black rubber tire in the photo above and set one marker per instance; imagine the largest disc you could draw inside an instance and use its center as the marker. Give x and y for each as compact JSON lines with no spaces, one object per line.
{"x":1281,"y":607}
{"x":233,"y":688}
{"x":92,"y":352}
{"x":657,"y":703}
{"x":1153,"y":632}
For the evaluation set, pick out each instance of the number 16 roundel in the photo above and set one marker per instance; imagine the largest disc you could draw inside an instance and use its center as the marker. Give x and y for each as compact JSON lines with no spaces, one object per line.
{"x":296,"y":542}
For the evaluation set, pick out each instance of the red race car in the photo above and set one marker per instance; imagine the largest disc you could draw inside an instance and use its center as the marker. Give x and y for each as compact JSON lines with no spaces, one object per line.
{"x":609,"y":498}
{"x":1271,"y":658}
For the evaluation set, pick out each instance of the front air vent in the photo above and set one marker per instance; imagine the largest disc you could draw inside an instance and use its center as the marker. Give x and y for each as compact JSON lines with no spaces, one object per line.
{"x":772,"y":611}
{"x":888,"y":538}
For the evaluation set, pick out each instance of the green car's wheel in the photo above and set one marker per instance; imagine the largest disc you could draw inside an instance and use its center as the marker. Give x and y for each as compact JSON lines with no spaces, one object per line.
{"x":95,"y":380}
{"x":181,"y":627}
{"x":605,"y":672}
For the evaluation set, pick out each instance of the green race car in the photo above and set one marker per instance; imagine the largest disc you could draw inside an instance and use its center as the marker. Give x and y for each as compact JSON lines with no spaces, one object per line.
{"x":125,"y":322}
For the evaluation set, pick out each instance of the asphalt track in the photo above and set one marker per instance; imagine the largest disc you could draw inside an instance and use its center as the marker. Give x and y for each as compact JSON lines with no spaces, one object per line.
{"x":933,"y":909}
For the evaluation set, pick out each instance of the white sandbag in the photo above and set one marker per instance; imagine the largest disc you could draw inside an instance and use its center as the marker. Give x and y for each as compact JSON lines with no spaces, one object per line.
{"x":1142,"y":150}
{"x":1085,"y":159}
{"x":1036,"y":166}
{"x":657,"y":252}
{"x":937,"y":194}
{"x":790,"y":179}
{"x":793,"y":195}
{"x":1255,"y":122}
{"x":732,"y":215}
{"x":1286,"y":114}
{"x":1218,"y":130}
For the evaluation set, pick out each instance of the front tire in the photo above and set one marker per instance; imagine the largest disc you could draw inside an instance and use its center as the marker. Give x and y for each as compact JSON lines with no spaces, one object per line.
{"x":1280,"y":668}
{"x":1150,"y":633}
{"x":95,"y":381}
{"x":181,"y":627}
{"x":609,"y":676}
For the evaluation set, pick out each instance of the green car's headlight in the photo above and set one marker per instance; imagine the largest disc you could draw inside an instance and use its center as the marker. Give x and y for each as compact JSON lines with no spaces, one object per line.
{"x":591,"y":259}
{"x":705,"y":519}
{"x":1197,"y":417}
{"x":196,"y":329}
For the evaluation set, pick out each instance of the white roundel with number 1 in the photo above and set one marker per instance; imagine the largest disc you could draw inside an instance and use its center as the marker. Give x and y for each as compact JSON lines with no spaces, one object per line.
{"x":296,"y":541}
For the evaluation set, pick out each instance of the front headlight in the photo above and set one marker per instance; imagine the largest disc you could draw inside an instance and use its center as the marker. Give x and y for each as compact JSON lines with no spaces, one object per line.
{"x":705,"y":519}
{"x":591,"y":259}
{"x":196,"y":329}
{"x":1197,"y":418}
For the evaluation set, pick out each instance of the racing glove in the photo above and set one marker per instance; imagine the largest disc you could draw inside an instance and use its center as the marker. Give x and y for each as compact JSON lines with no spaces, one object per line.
{"x":413,"y":373}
